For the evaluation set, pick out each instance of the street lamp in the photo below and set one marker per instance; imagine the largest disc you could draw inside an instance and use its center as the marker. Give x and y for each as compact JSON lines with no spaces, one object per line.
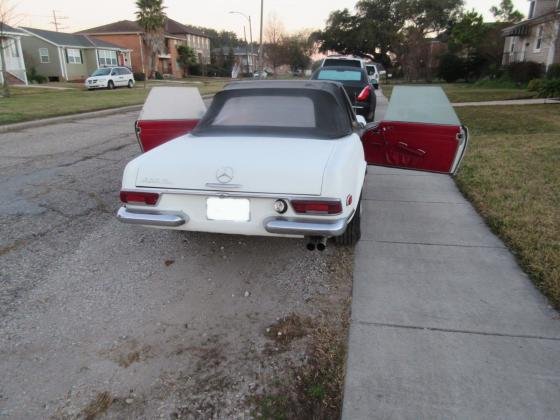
{"x":250,"y":37}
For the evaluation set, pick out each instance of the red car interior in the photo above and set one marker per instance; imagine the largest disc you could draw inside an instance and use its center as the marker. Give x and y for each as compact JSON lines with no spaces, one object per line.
{"x":419,"y":146}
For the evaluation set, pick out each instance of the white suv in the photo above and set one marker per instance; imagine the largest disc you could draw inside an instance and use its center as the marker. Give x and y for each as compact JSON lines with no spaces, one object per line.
{"x":339,"y":60}
{"x":110,"y":78}
{"x":373,"y":74}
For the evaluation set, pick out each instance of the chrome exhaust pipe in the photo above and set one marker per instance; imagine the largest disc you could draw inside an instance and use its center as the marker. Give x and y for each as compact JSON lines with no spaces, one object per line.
{"x":311,"y":244}
{"x":322,"y":244}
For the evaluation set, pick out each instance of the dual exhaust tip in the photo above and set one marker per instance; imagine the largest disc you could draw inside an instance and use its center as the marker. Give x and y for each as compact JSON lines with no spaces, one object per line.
{"x":317,"y":243}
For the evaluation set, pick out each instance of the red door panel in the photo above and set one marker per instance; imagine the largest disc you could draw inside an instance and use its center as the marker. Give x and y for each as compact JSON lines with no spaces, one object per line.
{"x":425,"y":147}
{"x":154,"y":133}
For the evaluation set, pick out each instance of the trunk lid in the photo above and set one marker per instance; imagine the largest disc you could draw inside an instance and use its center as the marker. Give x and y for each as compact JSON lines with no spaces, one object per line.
{"x":233,"y":164}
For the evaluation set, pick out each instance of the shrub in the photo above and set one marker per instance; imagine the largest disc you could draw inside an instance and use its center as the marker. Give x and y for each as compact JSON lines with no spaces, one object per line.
{"x":139,"y":76}
{"x":195,"y":69}
{"x":159,"y":76}
{"x":550,"y":88}
{"x":217,"y":71}
{"x":553,"y":71}
{"x":524,"y":72}
{"x":451,"y":68}
{"x":535,"y":85}
{"x":34,"y":77}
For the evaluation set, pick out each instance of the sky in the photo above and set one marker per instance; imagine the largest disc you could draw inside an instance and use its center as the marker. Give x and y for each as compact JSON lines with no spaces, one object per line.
{"x":295,"y":14}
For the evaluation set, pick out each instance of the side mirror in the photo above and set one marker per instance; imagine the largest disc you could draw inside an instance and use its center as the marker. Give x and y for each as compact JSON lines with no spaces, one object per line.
{"x":361,"y":121}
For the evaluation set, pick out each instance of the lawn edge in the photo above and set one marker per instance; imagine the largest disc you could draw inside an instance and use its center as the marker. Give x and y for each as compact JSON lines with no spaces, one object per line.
{"x":6,"y":128}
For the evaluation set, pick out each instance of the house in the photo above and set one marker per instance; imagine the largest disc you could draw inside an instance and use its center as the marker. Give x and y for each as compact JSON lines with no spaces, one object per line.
{"x":10,"y":43}
{"x":537,"y":38}
{"x":61,"y":56}
{"x":243,"y":58}
{"x":130,"y":34}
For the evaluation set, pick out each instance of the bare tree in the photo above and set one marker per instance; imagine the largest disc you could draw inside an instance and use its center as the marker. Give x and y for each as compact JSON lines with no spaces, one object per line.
{"x":6,"y":17}
{"x":274,"y":35}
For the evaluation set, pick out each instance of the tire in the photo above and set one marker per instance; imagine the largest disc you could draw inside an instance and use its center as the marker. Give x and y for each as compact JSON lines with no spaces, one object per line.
{"x":110,"y":85}
{"x":376,"y":86}
{"x":130,"y":84}
{"x":353,"y":231}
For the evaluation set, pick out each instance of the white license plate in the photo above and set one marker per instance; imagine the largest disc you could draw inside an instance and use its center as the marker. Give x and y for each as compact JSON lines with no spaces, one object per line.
{"x":228,"y":209}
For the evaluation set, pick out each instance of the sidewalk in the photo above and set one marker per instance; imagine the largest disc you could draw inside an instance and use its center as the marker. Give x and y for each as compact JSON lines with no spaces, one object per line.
{"x":510,"y":102}
{"x":444,"y":323}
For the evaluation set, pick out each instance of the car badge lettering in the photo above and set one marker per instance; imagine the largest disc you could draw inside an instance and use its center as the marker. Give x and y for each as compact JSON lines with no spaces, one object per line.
{"x":224,"y":175}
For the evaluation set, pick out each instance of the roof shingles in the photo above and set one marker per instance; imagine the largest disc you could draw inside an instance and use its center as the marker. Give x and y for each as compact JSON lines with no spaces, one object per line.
{"x":71,"y":40}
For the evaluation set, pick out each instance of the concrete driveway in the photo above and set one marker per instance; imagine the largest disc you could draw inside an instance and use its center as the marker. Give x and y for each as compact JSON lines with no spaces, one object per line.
{"x":444,"y":323}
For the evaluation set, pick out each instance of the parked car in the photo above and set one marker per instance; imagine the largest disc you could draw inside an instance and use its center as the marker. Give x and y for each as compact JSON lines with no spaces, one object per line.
{"x":274,"y":158}
{"x":357,"y":85}
{"x":260,"y":74}
{"x":373,"y":75}
{"x":340,"y":60}
{"x":110,"y":78}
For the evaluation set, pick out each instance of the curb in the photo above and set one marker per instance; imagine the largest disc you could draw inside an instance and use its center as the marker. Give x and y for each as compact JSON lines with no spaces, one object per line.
{"x":73,"y":117}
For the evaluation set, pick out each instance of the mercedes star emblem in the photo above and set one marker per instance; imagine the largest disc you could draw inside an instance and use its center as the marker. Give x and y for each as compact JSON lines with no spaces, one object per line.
{"x":224,"y":175}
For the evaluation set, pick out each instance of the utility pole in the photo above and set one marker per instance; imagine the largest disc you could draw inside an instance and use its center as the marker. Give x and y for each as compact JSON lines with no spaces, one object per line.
{"x":56,"y":20}
{"x":261,"y":62}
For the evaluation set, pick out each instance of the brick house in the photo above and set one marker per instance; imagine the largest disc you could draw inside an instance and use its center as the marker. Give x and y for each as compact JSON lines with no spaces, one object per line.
{"x":537,"y":38}
{"x":129,"y":34}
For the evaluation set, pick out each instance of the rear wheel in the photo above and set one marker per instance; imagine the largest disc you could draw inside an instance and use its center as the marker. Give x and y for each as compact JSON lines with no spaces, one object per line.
{"x":130,"y":84}
{"x":110,"y":85}
{"x":353,"y":231}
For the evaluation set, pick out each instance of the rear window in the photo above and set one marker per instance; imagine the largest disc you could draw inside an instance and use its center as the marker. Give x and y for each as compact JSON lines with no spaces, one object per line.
{"x":330,"y":62}
{"x":255,"y":111}
{"x":275,"y":112}
{"x":340,"y":75}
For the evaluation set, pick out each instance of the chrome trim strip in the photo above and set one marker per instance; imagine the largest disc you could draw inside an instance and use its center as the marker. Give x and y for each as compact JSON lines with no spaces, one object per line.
{"x":232,"y":194}
{"x":306,"y":228}
{"x":226,"y":186}
{"x":151,"y":219}
{"x":137,"y":131}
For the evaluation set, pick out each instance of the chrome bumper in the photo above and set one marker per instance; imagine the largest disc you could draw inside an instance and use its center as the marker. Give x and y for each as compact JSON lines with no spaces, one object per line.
{"x":306,"y":228}
{"x":151,"y":219}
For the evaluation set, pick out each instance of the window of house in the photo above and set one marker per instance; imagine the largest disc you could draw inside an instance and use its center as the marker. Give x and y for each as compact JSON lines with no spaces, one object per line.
{"x":531,"y":10}
{"x":44,"y":55}
{"x":540,"y":32}
{"x":107,"y":58}
{"x":512,"y":45}
{"x":74,"y":56}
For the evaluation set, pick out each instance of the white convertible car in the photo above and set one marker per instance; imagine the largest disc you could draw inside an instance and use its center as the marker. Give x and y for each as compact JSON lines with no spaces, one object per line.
{"x":275,"y":158}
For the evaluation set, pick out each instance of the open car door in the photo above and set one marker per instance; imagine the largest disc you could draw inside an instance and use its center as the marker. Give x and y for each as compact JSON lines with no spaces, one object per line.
{"x":168,"y":113}
{"x":420,"y":131}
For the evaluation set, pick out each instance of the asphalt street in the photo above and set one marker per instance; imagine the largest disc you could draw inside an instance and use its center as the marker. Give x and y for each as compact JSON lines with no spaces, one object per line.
{"x":158,"y":322}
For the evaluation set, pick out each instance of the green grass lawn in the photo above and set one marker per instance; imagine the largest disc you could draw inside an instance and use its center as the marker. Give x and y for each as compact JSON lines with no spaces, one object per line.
{"x":511,"y":173}
{"x":463,"y":92}
{"x":31,"y":103}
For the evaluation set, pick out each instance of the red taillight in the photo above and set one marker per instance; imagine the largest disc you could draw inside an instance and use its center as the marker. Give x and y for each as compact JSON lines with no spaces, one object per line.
{"x":317,"y":207}
{"x":136,"y":197}
{"x":364,"y":94}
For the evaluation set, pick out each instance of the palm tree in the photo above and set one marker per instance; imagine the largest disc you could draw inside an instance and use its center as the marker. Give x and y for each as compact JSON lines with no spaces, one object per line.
{"x":151,"y":17}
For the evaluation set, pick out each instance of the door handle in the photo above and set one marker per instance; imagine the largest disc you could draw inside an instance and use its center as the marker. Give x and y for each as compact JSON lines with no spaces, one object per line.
{"x":406,"y":148}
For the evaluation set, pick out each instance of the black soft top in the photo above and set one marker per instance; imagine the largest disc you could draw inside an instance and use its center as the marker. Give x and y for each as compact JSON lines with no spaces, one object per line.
{"x":266,"y":106}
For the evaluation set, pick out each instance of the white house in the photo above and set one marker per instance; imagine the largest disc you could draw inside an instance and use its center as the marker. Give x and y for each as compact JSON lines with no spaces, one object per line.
{"x":10,"y":42}
{"x":537,"y":38}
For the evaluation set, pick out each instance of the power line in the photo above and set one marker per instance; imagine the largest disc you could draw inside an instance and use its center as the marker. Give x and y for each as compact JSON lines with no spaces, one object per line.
{"x":56,"y":21}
